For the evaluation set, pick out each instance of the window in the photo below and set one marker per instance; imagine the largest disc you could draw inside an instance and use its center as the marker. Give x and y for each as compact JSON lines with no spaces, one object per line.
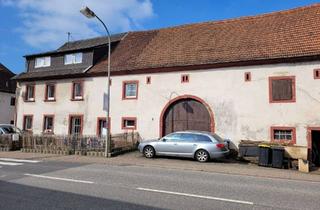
{"x":50,"y":92}
{"x":13,"y":101}
{"x":184,"y":78}
{"x":283,"y":134}
{"x":75,"y":125}
{"x":148,"y":80}
{"x":43,"y":62}
{"x":173,"y":137}
{"x":129,"y":123}
{"x":102,"y":126}
{"x":316,"y":73}
{"x":12,"y":122}
{"x":48,"y":123}
{"x":27,"y":122}
{"x":77,"y":91}
{"x":30,"y":90}
{"x":203,"y":138}
{"x":73,"y":58}
{"x":247,"y":76}
{"x":130,"y":90}
{"x":282,"y":89}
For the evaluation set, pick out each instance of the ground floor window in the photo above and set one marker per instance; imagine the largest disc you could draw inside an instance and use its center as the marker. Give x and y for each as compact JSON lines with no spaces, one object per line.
{"x":27,"y":122}
{"x":48,"y":124}
{"x":283,"y":134}
{"x":76,"y":124}
{"x":102,"y":126}
{"x":129,"y":123}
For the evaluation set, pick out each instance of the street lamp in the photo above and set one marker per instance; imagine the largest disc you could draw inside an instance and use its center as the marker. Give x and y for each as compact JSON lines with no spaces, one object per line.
{"x":90,"y":14}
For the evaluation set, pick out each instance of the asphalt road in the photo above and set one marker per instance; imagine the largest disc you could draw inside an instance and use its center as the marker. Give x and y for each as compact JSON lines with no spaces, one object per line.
{"x":62,"y":185}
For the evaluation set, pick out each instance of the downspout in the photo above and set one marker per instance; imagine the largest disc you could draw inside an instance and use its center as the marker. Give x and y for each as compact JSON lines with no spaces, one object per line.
{"x":18,"y":88}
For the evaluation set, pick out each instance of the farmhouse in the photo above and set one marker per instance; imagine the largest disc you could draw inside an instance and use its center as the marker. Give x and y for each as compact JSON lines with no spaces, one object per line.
{"x":7,"y":96}
{"x":254,"y":78}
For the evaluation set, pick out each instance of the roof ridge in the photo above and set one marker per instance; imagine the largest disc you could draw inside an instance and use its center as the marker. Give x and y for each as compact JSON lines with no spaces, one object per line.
{"x":248,"y":17}
{"x":97,"y":37}
{"x":4,"y":68}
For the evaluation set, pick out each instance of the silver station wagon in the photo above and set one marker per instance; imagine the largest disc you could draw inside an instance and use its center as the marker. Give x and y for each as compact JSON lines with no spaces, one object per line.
{"x":193,"y":144}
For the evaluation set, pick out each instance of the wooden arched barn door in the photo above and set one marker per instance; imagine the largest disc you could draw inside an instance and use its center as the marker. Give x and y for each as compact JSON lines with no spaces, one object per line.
{"x":186,"y":114}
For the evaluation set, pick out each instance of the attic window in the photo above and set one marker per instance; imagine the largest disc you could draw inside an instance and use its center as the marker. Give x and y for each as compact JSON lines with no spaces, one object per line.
{"x":43,"y":62}
{"x":316,"y":73}
{"x":148,"y":80}
{"x":73,"y":58}
{"x":247,"y":76}
{"x":184,"y":78}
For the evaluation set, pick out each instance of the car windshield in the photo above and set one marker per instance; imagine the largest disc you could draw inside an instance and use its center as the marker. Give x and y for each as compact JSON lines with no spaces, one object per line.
{"x":10,"y":129}
{"x":218,"y":138}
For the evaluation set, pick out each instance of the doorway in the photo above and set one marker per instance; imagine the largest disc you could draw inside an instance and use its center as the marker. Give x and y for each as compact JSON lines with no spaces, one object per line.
{"x":315,"y":147}
{"x":186,"y":114}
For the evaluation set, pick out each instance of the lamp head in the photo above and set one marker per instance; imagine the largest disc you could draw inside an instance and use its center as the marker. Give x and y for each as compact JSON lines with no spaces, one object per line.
{"x":87,"y":12}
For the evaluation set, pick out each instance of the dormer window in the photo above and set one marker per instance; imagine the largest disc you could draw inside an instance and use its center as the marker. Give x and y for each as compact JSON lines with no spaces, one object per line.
{"x":73,"y":58}
{"x":43,"y":62}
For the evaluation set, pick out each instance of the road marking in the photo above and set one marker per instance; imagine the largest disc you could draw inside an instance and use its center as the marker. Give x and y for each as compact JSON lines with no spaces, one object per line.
{"x":196,"y":196}
{"x":58,"y":178}
{"x":10,"y":164}
{"x":20,"y":160}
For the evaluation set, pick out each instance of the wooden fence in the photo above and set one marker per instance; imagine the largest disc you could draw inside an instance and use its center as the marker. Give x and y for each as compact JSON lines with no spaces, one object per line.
{"x":5,"y":142}
{"x":84,"y":145}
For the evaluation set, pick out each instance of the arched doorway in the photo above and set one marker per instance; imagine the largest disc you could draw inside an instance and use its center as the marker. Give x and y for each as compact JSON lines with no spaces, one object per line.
{"x":186,"y":113}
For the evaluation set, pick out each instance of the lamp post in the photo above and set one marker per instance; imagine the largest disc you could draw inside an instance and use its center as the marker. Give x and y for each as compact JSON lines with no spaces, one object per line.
{"x":90,"y":14}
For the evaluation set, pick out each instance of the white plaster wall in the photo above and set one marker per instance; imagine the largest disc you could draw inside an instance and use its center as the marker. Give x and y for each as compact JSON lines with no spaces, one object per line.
{"x":6,"y":111}
{"x":241,"y":109}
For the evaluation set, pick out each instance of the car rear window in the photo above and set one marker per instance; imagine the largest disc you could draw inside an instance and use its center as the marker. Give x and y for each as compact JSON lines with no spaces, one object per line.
{"x":203,"y":138}
{"x":8,"y":129}
{"x":218,"y":138}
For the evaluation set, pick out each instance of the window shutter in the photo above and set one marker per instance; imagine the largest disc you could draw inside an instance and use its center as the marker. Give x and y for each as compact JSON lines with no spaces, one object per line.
{"x":282,"y":89}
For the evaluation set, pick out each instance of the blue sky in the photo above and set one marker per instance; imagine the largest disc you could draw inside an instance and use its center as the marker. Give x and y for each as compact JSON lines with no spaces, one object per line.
{"x":32,"y":26}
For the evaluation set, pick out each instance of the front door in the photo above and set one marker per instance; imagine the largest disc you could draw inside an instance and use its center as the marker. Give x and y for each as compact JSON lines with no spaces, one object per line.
{"x":315,"y":137}
{"x":186,"y":114}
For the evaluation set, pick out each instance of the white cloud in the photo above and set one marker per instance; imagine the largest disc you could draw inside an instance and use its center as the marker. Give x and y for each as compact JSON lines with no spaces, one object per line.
{"x":45,"y":23}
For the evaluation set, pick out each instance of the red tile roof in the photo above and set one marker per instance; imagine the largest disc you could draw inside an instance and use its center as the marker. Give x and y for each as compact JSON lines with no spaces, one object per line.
{"x":279,"y":35}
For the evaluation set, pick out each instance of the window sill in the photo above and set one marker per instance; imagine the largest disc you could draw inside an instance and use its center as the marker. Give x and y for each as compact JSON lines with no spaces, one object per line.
{"x":283,"y":141}
{"x":77,"y":99}
{"x":46,"y":100}
{"x":29,"y":101}
{"x":128,"y":128}
{"x":48,"y":133}
{"x":283,"y":101}
{"x":135,"y":98}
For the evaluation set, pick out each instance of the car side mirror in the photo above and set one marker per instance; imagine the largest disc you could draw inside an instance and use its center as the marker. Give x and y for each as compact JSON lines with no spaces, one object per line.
{"x":164,"y":140}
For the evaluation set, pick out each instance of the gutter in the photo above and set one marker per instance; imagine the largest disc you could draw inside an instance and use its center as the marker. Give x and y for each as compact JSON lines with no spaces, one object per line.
{"x":87,"y":69}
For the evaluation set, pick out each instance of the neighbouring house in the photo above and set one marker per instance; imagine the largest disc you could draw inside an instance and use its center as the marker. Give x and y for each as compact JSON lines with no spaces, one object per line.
{"x":7,"y":96}
{"x":254,"y":78}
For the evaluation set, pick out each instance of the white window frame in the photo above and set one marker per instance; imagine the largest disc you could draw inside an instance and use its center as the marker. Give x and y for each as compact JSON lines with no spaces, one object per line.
{"x":30,"y":87}
{"x":28,"y":120}
{"x":77,"y":97}
{"x":126,"y":96}
{"x":54,"y":89}
{"x":73,"y":58}
{"x":73,"y":125}
{"x":45,"y":126}
{"x":42,"y":62}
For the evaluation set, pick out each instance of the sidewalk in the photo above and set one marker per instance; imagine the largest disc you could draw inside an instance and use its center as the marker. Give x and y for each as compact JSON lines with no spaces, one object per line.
{"x":136,"y":159}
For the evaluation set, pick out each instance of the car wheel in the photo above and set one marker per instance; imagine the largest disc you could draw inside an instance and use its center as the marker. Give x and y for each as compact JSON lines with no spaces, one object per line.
{"x":202,"y":156}
{"x":149,"y":152}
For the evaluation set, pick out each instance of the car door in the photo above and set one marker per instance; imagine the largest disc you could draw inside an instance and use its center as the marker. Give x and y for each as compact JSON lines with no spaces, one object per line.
{"x":186,"y":145}
{"x":167,"y":145}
